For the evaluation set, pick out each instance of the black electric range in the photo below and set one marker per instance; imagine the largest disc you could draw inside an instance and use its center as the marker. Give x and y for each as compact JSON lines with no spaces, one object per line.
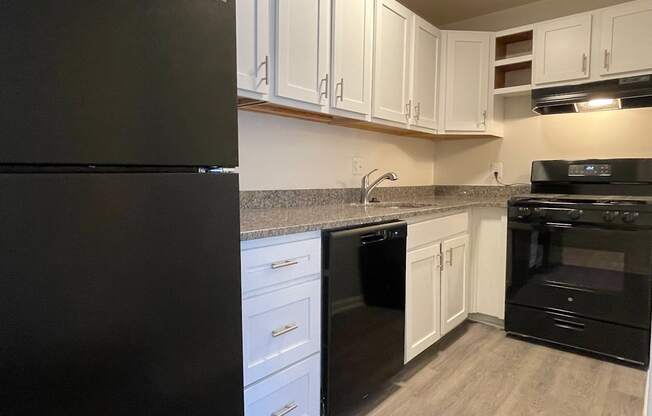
{"x":579,"y":268}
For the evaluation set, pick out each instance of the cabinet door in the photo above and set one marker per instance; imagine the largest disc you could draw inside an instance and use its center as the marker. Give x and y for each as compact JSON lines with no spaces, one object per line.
{"x":562,"y":49}
{"x":352,"y":47}
{"x":467,"y":79}
{"x":393,"y":35}
{"x":253,"y":45}
{"x":627,"y":38}
{"x":422,"y":303}
{"x":454,"y":302}
{"x":425,"y":71}
{"x":302,"y":47}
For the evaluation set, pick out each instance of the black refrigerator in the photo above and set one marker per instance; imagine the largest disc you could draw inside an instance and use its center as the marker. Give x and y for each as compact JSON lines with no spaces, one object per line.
{"x":119,"y":213}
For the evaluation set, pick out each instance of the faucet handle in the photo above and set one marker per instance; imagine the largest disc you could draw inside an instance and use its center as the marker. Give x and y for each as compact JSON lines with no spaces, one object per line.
{"x":369,"y":174}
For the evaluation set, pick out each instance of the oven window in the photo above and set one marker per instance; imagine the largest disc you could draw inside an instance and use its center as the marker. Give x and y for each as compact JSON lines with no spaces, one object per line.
{"x":582,"y":258}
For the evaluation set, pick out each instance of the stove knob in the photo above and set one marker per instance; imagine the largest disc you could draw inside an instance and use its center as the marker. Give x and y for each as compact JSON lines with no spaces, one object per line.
{"x":541,"y":213}
{"x":610,"y":216}
{"x":575,"y":214}
{"x":524,"y":212}
{"x":630,"y":217}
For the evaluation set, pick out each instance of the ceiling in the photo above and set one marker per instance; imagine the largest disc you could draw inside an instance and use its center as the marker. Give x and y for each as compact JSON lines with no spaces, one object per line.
{"x":442,"y":12}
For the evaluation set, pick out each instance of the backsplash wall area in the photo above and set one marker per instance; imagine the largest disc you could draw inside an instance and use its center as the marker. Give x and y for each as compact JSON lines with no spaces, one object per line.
{"x":282,"y":153}
{"x":609,"y":134}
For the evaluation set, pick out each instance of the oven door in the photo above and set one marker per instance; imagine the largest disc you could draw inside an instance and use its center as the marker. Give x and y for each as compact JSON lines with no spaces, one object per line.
{"x":599,"y":273}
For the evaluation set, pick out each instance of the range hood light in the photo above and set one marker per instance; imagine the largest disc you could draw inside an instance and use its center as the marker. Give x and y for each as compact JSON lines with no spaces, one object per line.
{"x":599,"y":104}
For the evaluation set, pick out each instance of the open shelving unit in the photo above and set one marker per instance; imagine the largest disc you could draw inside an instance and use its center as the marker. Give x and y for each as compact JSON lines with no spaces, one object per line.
{"x":513,"y":63}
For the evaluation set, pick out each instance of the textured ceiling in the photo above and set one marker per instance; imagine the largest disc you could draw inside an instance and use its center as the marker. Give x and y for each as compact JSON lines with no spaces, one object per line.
{"x":441,"y":12}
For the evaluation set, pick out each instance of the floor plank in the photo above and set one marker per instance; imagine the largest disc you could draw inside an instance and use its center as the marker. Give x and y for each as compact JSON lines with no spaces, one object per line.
{"x":479,"y":371}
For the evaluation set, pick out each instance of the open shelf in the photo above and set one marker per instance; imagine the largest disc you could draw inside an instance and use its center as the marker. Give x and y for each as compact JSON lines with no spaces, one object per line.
{"x":513,"y":62}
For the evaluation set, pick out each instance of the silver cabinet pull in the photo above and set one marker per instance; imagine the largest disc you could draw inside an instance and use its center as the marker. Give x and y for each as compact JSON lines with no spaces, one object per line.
{"x":417,"y":111}
{"x":584,"y":61}
{"x":341,"y":87}
{"x":484,"y":119}
{"x":266,"y":63}
{"x":285,"y":410}
{"x":440,"y":262}
{"x":606,"y":59}
{"x":284,"y":330}
{"x":285,"y":263}
{"x":449,"y":254}
{"x":325,"y":83}
{"x":408,"y":110}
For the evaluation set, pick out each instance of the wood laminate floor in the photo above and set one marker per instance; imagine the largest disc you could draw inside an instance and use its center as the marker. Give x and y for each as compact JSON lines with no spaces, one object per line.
{"x":478,"y":370}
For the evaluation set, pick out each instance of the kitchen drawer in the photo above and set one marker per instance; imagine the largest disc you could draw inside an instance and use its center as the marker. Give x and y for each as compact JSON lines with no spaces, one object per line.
{"x":426,"y":232}
{"x":292,"y":392}
{"x":280,"y":328}
{"x":587,"y":334}
{"x":275,"y":264}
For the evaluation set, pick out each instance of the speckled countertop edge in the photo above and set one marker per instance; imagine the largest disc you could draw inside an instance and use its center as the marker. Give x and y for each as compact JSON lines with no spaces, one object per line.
{"x":256,"y":223}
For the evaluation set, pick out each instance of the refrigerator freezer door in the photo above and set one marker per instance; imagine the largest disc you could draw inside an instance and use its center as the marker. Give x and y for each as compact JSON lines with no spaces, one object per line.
{"x":120,"y":295}
{"x":118,"y":82}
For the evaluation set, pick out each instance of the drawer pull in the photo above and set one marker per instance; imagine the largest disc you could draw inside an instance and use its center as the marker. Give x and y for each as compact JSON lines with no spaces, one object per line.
{"x":286,"y":409}
{"x":282,"y":331}
{"x":574,"y":326}
{"x":282,"y":264}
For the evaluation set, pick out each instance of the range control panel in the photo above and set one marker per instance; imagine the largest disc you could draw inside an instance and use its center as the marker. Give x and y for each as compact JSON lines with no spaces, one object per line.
{"x":590,"y":170}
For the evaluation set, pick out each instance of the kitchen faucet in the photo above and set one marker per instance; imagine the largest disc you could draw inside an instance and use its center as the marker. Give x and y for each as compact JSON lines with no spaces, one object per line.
{"x":366,"y":189}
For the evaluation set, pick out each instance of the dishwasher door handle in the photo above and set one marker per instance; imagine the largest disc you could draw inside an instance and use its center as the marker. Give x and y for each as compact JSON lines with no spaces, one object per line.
{"x":373,"y":238}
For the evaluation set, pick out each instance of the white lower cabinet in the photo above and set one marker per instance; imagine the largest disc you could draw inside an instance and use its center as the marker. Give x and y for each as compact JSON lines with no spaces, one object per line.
{"x":454,"y":284}
{"x":436,"y":280}
{"x":293,"y":391}
{"x":281,"y":325}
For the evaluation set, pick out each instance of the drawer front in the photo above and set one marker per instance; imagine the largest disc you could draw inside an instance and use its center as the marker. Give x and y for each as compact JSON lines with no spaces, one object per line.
{"x":291,"y":392}
{"x":280,"y":328}
{"x":610,"y":339}
{"x":426,"y":232}
{"x":272,"y":265}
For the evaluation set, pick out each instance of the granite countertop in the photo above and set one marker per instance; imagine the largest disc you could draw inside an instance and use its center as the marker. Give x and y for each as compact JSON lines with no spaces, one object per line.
{"x":268,"y":222}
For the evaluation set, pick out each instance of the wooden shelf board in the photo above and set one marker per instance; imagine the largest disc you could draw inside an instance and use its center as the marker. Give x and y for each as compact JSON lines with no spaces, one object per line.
{"x":513,"y":91}
{"x":525,"y":60}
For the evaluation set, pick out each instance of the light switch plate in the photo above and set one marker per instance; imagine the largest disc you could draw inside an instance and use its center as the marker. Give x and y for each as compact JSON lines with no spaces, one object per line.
{"x":358,"y":166}
{"x":497,"y":168}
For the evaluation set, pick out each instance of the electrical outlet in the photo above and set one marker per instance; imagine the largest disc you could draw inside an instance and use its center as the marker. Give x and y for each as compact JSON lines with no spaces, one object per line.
{"x":358,"y":166}
{"x":497,"y":170}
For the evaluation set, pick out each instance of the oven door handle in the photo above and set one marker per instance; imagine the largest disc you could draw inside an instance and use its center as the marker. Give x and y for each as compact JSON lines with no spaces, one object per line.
{"x":566,"y":324}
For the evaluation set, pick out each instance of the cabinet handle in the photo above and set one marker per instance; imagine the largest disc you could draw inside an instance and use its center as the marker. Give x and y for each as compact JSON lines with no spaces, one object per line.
{"x":484,"y":119}
{"x":284,"y":330}
{"x":440,"y":262}
{"x":286,"y":409}
{"x":285,"y":263}
{"x":408,"y":110}
{"x":325,"y":83}
{"x":584,"y":61}
{"x":449,"y":254}
{"x":266,"y":63}
{"x":606,"y":59}
{"x":417,"y":111}
{"x":340,"y":85}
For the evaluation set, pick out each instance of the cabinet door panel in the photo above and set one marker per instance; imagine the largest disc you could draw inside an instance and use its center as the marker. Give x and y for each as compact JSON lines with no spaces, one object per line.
{"x":627,"y":38}
{"x":422,"y":315}
{"x":467,"y":78}
{"x":352,"y":47}
{"x":393,"y":32}
{"x":454,"y":302}
{"x":562,"y":49}
{"x":253,"y":45}
{"x":425,"y":71}
{"x":302,"y":33}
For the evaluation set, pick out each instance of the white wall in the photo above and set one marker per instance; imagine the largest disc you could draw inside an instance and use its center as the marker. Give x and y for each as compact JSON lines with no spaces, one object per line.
{"x":528,"y":137}
{"x":283,"y":153}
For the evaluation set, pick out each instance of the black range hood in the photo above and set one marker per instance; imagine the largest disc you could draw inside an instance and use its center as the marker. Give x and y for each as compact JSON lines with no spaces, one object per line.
{"x":614,"y":94}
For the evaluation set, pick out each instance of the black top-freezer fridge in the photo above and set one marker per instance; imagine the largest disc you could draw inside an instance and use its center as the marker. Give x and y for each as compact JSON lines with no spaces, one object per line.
{"x":119,"y":213}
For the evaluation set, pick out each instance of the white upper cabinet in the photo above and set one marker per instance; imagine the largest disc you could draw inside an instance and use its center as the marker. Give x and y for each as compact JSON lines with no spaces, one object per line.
{"x":626,"y":42}
{"x":352,"y":54}
{"x":562,"y":49}
{"x":252,"y":18}
{"x":454,"y":299}
{"x":467,"y":79}
{"x":302,"y":50}
{"x":425,"y":71}
{"x":391,"y":73}
{"x":422,"y":311}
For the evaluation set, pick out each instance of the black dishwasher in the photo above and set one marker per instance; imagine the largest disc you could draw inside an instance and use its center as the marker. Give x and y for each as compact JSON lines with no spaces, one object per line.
{"x":363,"y":317}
